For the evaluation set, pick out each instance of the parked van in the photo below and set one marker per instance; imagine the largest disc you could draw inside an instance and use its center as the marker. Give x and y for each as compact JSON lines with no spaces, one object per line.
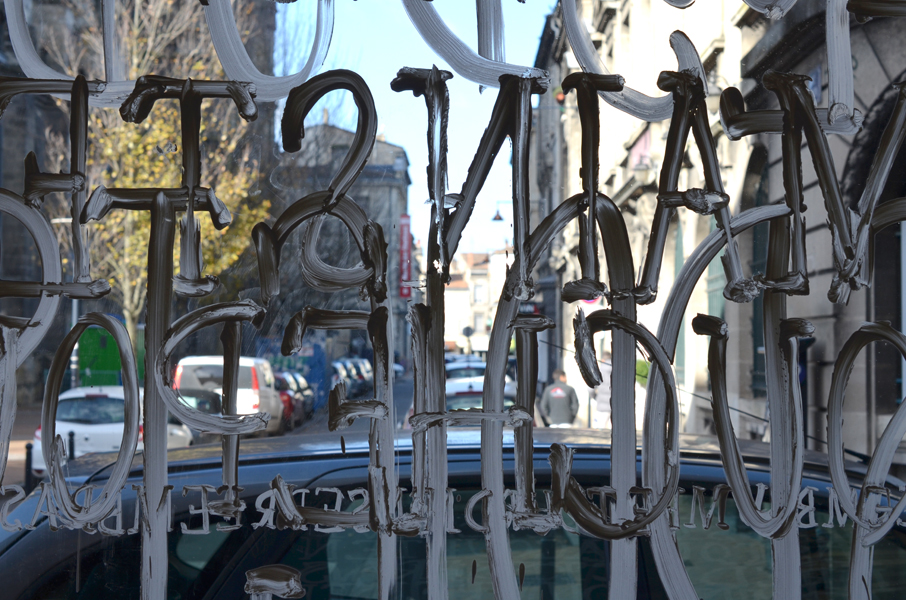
{"x":256,"y":391}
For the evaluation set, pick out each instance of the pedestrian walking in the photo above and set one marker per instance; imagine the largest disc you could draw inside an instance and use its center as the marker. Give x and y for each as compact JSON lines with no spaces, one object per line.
{"x":559,"y":403}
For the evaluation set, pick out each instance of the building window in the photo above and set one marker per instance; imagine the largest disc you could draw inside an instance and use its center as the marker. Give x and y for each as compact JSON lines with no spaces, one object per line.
{"x":480,"y":294}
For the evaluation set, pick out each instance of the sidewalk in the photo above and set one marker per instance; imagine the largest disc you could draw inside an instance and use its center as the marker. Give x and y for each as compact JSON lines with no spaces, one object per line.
{"x":27,"y":420}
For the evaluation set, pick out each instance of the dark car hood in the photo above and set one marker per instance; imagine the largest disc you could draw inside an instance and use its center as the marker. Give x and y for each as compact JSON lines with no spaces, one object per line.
{"x":289,"y":448}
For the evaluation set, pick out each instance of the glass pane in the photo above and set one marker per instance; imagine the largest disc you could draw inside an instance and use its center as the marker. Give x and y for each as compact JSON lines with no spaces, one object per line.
{"x":685,"y":217}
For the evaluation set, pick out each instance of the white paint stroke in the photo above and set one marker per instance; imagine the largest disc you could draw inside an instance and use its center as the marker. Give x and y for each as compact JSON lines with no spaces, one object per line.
{"x":667,"y":558}
{"x":216,"y":314}
{"x":490,"y":30}
{"x":54,"y":448}
{"x":461,"y":58}
{"x":867,"y":530}
{"x":110,"y":95}
{"x":9,"y":339}
{"x":31,"y":334}
{"x":268,"y":581}
{"x":839,"y":64}
{"x":239,"y":67}
{"x":629,"y":100}
{"x":772,"y":9}
{"x":113,"y":64}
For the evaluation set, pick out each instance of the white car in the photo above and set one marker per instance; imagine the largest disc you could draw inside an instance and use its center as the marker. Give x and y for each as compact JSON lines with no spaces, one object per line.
{"x":473,"y":370}
{"x":463,"y":393}
{"x":256,"y":392}
{"x":96,"y":416}
{"x":465,"y":368}
{"x":466,"y":392}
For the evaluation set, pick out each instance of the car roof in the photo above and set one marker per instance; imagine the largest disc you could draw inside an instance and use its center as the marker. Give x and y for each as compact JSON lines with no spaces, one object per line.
{"x":453,"y":357}
{"x":466,"y":364}
{"x":112,"y":391}
{"x":244,"y":361}
{"x":463,"y":384}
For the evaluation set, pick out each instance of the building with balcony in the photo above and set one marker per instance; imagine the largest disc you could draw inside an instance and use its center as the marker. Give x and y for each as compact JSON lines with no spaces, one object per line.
{"x":631,"y":154}
{"x":737,"y":46}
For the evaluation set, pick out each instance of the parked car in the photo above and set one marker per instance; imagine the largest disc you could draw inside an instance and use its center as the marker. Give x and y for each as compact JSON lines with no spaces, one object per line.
{"x":205,"y":401}
{"x":357,"y":385}
{"x":96,"y":416}
{"x":338,"y":373}
{"x":723,"y":557}
{"x":365,"y":367}
{"x":256,"y":391}
{"x":456,"y":357}
{"x":465,"y":368}
{"x":293,"y":408}
{"x":341,"y":372}
{"x":308,"y":394}
{"x":463,"y":393}
{"x":475,"y":369}
{"x":466,"y":392}
{"x":365,"y":375}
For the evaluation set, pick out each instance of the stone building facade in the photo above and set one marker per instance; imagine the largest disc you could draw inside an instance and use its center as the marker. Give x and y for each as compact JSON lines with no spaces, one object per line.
{"x":631,"y":154}
{"x":796,"y":44}
{"x":736,"y":45}
{"x":382,"y":190}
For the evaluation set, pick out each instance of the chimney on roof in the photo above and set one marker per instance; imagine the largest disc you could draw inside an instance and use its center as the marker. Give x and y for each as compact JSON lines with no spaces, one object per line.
{"x":326,"y":116}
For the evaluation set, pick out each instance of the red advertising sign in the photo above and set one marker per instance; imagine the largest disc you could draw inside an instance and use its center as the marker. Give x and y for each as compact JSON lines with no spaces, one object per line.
{"x":405,"y":257}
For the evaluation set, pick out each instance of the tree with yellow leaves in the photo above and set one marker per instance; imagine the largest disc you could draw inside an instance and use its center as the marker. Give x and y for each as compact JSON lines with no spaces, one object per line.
{"x":163,"y":37}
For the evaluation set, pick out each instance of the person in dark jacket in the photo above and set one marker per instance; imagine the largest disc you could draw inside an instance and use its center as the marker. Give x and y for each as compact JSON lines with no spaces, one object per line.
{"x":559,"y":404}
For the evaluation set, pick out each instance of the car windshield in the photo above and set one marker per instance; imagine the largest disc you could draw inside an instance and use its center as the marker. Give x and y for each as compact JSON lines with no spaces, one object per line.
{"x":664,"y":235}
{"x":97,"y":410}
{"x":210,"y":377}
{"x":462,"y":372}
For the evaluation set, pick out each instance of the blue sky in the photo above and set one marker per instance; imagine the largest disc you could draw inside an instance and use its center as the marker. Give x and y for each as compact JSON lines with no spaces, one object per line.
{"x":375,"y":38}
